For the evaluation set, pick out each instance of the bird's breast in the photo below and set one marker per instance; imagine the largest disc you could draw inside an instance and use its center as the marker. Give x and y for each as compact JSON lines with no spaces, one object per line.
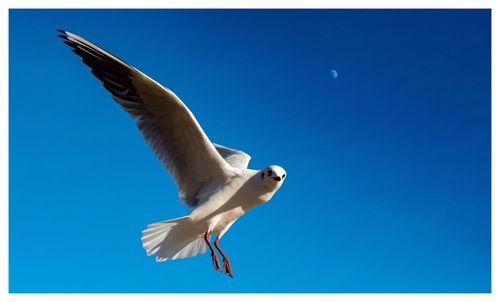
{"x":227,"y":203}
{"x":222,"y":220}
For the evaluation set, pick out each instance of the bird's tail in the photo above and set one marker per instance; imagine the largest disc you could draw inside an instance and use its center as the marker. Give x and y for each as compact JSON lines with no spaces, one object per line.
{"x":172,"y":239}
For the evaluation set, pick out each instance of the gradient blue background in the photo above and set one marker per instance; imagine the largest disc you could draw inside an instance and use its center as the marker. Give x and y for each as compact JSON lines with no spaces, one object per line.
{"x":388,"y":186}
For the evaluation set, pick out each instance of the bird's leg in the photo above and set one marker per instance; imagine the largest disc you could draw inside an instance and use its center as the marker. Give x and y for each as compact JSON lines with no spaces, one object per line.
{"x":215,"y":260}
{"x":227,"y":265}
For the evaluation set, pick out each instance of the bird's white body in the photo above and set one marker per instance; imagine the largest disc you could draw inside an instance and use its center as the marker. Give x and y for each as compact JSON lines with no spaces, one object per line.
{"x":242,"y":193}
{"x":212,"y":179}
{"x":228,"y":201}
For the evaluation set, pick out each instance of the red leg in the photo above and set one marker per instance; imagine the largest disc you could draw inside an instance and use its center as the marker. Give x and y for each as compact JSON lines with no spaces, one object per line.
{"x":215,"y":260}
{"x":227,"y":265}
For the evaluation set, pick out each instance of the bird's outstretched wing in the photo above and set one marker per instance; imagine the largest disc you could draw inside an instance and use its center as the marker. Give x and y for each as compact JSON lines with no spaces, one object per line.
{"x":235,"y":158}
{"x":166,"y":123}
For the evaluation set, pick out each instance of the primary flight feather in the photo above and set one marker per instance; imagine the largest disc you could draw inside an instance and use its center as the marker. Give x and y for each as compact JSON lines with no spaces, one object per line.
{"x":212,"y":179}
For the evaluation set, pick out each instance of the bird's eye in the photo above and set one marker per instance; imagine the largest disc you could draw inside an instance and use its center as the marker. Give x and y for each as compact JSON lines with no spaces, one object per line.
{"x":269,"y":172}
{"x":283,"y":177}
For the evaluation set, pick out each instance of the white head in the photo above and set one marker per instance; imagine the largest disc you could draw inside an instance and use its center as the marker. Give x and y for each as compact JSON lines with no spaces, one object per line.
{"x":272,"y":177}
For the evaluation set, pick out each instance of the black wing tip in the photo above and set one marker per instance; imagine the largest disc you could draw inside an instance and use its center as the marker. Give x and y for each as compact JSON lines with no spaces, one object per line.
{"x":64,"y":35}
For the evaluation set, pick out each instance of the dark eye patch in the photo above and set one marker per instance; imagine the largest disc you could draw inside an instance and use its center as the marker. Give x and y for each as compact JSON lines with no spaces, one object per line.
{"x":283,"y":177}
{"x":269,"y":172}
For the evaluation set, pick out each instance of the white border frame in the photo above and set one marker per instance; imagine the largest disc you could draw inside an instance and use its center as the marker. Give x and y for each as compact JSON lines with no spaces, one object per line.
{"x":5,"y":5}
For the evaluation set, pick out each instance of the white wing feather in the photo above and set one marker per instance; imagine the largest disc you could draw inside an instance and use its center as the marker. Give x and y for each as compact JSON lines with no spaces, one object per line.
{"x":166,"y":123}
{"x":235,"y":158}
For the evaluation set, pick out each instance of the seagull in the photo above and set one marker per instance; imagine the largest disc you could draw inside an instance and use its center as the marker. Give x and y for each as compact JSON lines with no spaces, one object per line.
{"x":213,"y":180}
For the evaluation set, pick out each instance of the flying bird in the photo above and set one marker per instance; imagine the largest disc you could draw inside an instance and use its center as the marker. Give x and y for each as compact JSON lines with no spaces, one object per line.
{"x":213,"y":180}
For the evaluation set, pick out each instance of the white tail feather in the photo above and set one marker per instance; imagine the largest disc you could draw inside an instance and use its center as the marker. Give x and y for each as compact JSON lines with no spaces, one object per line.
{"x":172,"y":239}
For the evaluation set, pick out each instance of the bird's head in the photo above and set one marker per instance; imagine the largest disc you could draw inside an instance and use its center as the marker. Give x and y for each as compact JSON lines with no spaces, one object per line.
{"x":272,"y":177}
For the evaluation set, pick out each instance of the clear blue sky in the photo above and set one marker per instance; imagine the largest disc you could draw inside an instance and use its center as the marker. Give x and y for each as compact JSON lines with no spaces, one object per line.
{"x":388,"y":186}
